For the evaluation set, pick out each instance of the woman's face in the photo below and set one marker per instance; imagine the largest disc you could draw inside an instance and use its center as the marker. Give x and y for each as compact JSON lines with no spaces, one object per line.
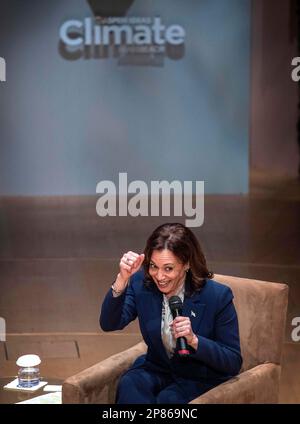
{"x":167,"y":271}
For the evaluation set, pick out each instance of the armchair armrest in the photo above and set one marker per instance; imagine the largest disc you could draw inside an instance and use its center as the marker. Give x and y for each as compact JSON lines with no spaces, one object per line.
{"x":97,"y":384}
{"x":256,"y":385}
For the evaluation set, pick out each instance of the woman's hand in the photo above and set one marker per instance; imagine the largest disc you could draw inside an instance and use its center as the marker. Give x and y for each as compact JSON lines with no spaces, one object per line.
{"x":130,"y":263}
{"x":181,"y":327}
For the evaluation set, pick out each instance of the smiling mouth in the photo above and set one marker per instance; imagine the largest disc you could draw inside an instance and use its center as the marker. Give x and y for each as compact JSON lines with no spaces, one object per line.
{"x":163,"y":284}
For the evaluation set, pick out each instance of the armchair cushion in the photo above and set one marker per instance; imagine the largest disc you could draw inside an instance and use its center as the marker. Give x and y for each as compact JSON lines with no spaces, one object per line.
{"x":257,"y":385}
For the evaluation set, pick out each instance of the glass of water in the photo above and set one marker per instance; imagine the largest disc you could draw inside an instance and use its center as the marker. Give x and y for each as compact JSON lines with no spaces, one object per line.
{"x":29,"y":371}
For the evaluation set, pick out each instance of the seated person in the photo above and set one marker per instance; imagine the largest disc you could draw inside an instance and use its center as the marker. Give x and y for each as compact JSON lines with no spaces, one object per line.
{"x":189,"y":353}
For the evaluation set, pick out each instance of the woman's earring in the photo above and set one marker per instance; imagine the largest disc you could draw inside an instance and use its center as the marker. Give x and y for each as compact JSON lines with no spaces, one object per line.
{"x":187,"y":270}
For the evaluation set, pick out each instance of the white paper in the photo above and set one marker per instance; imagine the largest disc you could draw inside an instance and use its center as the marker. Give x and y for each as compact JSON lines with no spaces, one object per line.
{"x":52,"y":388}
{"x":49,"y":398}
{"x":14,"y":385}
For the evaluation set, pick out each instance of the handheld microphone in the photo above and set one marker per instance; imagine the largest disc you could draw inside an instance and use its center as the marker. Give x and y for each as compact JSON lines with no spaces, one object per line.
{"x":175,"y":304}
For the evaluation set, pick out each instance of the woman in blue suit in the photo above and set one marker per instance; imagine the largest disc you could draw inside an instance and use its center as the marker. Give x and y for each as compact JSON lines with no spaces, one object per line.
{"x":173,"y":265}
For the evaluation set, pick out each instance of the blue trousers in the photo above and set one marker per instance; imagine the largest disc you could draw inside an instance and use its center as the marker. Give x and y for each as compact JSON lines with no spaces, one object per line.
{"x":142,"y":385}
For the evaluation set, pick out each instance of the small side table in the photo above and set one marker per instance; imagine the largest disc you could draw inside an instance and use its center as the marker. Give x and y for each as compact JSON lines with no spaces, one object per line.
{"x":14,"y":396}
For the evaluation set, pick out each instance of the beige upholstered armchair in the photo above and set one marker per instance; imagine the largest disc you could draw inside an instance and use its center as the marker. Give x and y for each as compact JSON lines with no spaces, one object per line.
{"x":261,"y":307}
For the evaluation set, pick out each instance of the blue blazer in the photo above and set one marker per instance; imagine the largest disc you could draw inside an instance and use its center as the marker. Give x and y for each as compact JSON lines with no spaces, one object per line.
{"x":213,"y":319}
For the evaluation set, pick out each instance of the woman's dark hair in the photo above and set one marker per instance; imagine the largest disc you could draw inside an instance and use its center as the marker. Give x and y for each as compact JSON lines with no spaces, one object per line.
{"x":184,"y":245}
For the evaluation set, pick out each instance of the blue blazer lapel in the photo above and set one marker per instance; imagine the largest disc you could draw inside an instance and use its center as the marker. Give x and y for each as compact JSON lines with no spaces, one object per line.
{"x":194,"y":309}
